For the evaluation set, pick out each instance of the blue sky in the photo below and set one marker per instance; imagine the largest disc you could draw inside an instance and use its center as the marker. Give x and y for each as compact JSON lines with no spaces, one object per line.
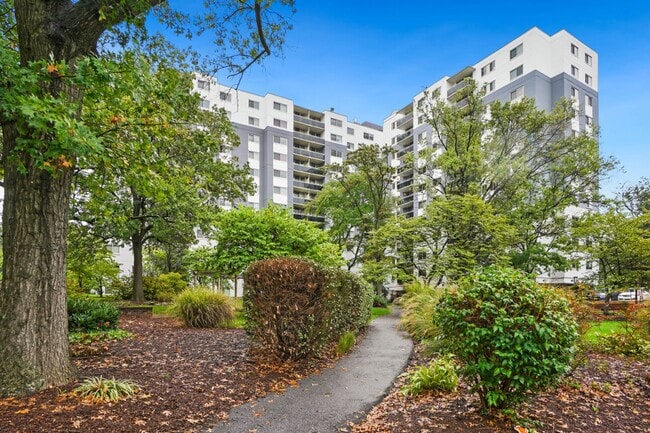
{"x":367,"y":59}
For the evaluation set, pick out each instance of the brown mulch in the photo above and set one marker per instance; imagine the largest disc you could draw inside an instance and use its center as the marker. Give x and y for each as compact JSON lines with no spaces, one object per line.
{"x":190,"y":379}
{"x":608,"y":394}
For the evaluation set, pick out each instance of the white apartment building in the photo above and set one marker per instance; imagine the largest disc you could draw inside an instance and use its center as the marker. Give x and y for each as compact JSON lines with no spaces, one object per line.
{"x":536,"y":65}
{"x":286,"y":145}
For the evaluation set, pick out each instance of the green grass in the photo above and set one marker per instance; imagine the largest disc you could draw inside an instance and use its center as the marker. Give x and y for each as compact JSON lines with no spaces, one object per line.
{"x":162,"y":310}
{"x":378,"y":312}
{"x":602,"y":329}
{"x":92,"y":336}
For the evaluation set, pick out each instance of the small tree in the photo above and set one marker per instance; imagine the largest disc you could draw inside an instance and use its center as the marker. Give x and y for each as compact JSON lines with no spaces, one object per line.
{"x":513,"y":335}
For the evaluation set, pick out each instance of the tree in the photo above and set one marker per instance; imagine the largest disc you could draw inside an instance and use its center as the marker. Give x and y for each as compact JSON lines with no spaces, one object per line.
{"x":636,"y":198}
{"x":524,"y":161}
{"x":163,"y":175}
{"x":90,"y":264}
{"x":619,"y":244}
{"x":48,"y":58}
{"x":357,"y":200}
{"x":244,"y":235}
{"x":455,"y":236}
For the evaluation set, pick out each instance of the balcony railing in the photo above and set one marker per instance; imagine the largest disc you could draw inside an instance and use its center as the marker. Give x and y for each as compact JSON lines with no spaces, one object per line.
{"x":405,"y":184}
{"x":307,"y":185}
{"x":456,"y":87}
{"x":308,"y":137}
{"x":404,"y":120}
{"x":306,"y":169}
{"x":307,"y":121}
{"x":309,"y":153}
{"x":403,"y":136}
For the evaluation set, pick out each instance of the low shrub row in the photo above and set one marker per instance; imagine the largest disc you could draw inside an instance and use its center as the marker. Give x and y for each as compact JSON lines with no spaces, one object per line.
{"x":294,"y":308}
{"x":86,"y":314}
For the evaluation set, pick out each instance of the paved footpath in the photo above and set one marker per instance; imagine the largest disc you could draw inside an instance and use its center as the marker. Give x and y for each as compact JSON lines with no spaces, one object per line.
{"x":323,"y":403}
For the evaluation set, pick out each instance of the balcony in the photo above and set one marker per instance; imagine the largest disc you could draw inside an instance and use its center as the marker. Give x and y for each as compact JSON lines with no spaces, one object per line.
{"x":309,"y":122}
{"x":403,"y":136}
{"x":308,"y":137}
{"x":403,"y":120}
{"x":309,"y":153}
{"x":297,"y":214}
{"x":403,"y":152}
{"x":301,"y":200}
{"x":308,"y":169}
{"x":405,"y":184}
{"x":313,"y":186}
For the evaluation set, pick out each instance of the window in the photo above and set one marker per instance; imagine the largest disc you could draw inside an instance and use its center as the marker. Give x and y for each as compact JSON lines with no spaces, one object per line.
{"x":336,"y":138}
{"x":368,"y":136}
{"x":205,"y":103}
{"x":489,"y":87}
{"x":255,"y":172}
{"x":253,"y":138}
{"x":279,"y":190}
{"x":253,"y":104}
{"x":337,"y":153}
{"x":203,"y":84}
{"x":517,"y":72}
{"x":253,"y":155}
{"x":279,"y":173}
{"x":279,"y":156}
{"x":589,"y":120}
{"x":350,"y":146}
{"x":574,"y":71}
{"x":516,"y":51}
{"x":253,"y":121}
{"x":590,"y":100}
{"x":588,"y":59}
{"x":280,"y":123}
{"x":336,"y":122}
{"x":487,"y":68}
{"x":224,"y":96}
{"x":280,"y":107}
{"x":280,"y":140}
{"x":574,"y":93}
{"x":588,"y":79}
{"x":589,"y":265}
{"x":574,"y":50}
{"x":350,"y":131}
{"x":517,"y":93}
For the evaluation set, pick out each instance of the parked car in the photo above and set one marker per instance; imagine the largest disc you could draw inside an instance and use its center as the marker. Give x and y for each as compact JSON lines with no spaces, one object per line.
{"x":627,"y":296}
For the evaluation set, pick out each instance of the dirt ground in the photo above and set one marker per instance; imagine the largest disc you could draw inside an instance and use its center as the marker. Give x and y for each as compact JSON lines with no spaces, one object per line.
{"x":190,"y":379}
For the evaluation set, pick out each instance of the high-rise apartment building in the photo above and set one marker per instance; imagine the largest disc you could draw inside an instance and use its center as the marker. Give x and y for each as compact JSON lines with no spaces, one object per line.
{"x":286,"y":145}
{"x":535,"y":65}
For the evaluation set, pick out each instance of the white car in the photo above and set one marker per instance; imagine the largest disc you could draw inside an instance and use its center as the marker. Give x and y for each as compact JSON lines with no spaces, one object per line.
{"x":632,"y":295}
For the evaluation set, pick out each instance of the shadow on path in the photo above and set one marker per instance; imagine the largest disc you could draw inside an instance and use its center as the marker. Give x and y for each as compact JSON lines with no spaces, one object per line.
{"x":324,"y":402}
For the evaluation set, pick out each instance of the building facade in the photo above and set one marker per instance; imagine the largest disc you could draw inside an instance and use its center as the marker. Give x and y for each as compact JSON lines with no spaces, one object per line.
{"x":536,"y":65}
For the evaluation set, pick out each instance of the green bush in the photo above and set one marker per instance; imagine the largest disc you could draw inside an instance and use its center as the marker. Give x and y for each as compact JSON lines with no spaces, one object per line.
{"x":201,"y":308}
{"x":379,"y":301}
{"x":163,"y":288}
{"x":513,"y":336}
{"x":285,"y":307}
{"x":349,"y":305}
{"x":438,"y":375}
{"x":122,"y":287}
{"x":85,"y":314}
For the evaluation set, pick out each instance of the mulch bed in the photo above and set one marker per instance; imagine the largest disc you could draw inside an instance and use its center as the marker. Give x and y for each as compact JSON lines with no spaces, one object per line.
{"x":608,"y":394}
{"x":190,"y":379}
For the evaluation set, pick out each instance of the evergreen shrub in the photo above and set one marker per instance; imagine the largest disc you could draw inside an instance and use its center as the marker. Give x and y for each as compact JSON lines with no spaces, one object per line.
{"x":86,"y":314}
{"x":513,"y":336}
{"x":350,"y":300}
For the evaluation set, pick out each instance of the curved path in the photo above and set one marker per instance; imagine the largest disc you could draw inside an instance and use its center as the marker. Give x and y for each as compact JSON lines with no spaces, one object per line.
{"x":324,"y":402}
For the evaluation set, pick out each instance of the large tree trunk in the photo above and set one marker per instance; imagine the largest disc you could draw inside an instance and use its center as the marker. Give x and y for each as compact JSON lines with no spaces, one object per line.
{"x":33,"y":314}
{"x":138,"y":286}
{"x":33,"y":317}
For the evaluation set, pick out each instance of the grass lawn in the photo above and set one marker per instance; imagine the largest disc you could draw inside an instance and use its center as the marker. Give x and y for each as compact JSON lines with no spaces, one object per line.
{"x":378,"y":312}
{"x":604,"y":328}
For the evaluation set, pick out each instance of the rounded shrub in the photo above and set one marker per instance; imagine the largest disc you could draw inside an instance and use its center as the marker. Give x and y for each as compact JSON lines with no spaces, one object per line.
{"x":285,"y":306}
{"x":513,"y":336}
{"x":86,"y":314}
{"x":349,"y":302}
{"x":202,"y":308}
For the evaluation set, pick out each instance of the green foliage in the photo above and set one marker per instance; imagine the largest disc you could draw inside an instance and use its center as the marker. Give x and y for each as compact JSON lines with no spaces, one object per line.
{"x":285,"y":307}
{"x":101,"y":390}
{"x":122,"y":287}
{"x":244,"y":235}
{"x":628,"y":343}
{"x":349,"y":302}
{"x":201,"y":308}
{"x":88,"y":337}
{"x":439,"y":375}
{"x":418,"y":308}
{"x":85,"y":314}
{"x":164,"y":287}
{"x":513,"y":336}
{"x":346,"y":342}
{"x":379,"y":301}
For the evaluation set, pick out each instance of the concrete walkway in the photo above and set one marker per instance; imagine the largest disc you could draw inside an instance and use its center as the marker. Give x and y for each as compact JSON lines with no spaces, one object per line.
{"x":324,"y":402}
